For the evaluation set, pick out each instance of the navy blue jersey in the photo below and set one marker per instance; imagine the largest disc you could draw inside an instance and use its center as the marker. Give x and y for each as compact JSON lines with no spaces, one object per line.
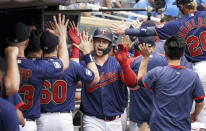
{"x":141,"y":99}
{"x":109,"y":96}
{"x":174,"y":89}
{"x":8,"y":116}
{"x":59,"y":94}
{"x":32,"y":75}
{"x":192,"y":28}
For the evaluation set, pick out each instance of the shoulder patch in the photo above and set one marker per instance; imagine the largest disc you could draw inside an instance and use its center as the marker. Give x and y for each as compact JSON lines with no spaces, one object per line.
{"x":88,"y":72}
{"x":56,"y":65}
{"x":19,"y":61}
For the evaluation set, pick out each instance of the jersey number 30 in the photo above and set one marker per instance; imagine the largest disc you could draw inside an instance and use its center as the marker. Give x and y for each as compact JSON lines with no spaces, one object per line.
{"x":56,"y":92}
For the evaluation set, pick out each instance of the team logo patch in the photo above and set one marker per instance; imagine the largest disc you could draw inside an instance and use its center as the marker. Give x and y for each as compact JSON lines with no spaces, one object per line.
{"x":103,"y":32}
{"x":19,"y":61}
{"x":160,"y":26}
{"x":88,"y":72}
{"x":56,"y":65}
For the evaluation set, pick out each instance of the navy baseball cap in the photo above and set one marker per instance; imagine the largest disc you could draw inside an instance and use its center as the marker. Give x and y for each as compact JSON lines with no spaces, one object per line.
{"x":48,"y":42}
{"x":150,"y":40}
{"x":18,"y":32}
{"x":182,"y":2}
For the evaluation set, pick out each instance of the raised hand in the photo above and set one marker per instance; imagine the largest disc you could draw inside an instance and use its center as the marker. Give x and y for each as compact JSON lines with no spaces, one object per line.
{"x":118,"y":29}
{"x":145,"y":50}
{"x":122,"y":56}
{"x":60,"y":29}
{"x":125,"y":42}
{"x":86,"y":43}
{"x":73,"y":33}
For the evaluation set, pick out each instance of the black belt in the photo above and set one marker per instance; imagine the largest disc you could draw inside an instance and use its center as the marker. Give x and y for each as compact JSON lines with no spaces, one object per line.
{"x":30,"y":119}
{"x":108,"y":118}
{"x":59,"y":112}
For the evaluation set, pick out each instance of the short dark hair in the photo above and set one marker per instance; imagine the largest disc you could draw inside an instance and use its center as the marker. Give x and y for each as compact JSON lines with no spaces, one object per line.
{"x":34,"y":42}
{"x":174,"y":47}
{"x":48,"y":42}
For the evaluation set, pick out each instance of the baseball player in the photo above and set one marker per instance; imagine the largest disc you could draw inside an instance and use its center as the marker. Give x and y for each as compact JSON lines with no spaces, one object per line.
{"x":58,"y":95}
{"x":103,"y":103}
{"x":190,"y":27}
{"x":34,"y":72}
{"x":8,"y":116}
{"x":172,"y":86}
{"x":8,"y":91}
{"x":141,"y":100}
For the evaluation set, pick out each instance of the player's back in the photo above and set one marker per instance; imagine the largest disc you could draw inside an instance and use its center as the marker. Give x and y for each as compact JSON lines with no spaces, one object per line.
{"x":192,"y":28}
{"x":174,"y":87}
{"x":32,"y":74}
{"x":8,"y":116}
{"x":141,"y":99}
{"x":58,"y":95}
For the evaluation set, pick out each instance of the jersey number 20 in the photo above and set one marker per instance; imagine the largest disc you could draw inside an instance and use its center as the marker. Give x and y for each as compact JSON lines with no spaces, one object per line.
{"x":193,"y":42}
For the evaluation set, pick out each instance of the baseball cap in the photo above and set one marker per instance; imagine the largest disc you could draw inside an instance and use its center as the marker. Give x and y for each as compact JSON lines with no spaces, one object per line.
{"x":48,"y":42}
{"x":18,"y":32}
{"x":172,"y":10}
{"x":150,"y":40}
{"x":182,"y":2}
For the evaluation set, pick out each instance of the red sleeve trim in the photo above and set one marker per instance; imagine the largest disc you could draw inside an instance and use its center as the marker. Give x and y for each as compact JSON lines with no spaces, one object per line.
{"x":145,"y":84}
{"x":19,"y":105}
{"x":198,"y":98}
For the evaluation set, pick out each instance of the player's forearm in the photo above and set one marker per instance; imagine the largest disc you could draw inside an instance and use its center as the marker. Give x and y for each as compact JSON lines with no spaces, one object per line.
{"x":63,"y":52}
{"x":141,"y":32}
{"x":92,"y":66}
{"x":12,"y":77}
{"x":143,"y":67}
{"x":129,"y":76}
{"x":198,"y":108}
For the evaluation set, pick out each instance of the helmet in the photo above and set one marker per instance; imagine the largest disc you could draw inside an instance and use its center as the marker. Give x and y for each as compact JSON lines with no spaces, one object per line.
{"x":104,"y":33}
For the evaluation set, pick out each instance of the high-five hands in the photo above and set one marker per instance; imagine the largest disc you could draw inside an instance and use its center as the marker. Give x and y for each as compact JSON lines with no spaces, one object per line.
{"x":122,"y":55}
{"x":145,"y":50}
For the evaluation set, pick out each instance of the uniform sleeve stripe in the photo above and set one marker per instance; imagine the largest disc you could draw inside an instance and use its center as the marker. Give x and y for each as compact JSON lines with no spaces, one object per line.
{"x":145,"y":84}
{"x":19,"y":105}
{"x":198,"y":98}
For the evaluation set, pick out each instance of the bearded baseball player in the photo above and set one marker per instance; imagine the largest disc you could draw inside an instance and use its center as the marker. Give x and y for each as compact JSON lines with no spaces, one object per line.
{"x":32,"y":73}
{"x":103,"y":103}
{"x":190,"y":27}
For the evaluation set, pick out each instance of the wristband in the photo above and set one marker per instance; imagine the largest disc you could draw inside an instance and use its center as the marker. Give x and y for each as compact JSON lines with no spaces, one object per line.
{"x":88,"y":58}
